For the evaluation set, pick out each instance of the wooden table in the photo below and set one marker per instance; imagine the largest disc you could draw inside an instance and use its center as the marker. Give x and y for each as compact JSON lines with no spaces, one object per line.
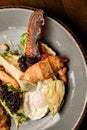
{"x":72,"y":12}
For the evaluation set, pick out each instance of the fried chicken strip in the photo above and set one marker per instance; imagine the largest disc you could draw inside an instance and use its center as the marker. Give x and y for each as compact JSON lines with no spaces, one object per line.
{"x":46,"y":69}
{"x":4,"y":120}
{"x":8,"y":79}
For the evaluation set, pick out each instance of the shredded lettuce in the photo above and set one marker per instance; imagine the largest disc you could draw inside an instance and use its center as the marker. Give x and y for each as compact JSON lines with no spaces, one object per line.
{"x":23,"y":41}
{"x":22,"y":118}
{"x":19,"y":118}
{"x":11,"y":88}
{"x":7,"y":54}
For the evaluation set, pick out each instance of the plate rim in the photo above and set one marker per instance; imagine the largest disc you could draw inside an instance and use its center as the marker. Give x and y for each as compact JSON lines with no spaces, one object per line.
{"x":78,"y":43}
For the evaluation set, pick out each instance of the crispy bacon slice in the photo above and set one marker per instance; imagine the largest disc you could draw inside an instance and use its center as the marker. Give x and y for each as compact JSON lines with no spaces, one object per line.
{"x":36,"y":22}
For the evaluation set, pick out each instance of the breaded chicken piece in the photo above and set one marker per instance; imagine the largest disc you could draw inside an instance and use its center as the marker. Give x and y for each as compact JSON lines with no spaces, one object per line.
{"x":46,"y":69}
{"x":4,"y":120}
{"x":8,"y":79}
{"x":5,"y":127}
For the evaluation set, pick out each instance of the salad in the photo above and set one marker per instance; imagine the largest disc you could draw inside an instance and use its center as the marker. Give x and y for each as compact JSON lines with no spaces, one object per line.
{"x":32,"y":81}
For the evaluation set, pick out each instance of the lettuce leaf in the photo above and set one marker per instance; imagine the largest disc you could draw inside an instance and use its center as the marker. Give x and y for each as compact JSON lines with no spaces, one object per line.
{"x":11,"y":88}
{"x":23,"y":41}
{"x":7,"y":54}
{"x":21,"y":118}
{"x":55,"y":91}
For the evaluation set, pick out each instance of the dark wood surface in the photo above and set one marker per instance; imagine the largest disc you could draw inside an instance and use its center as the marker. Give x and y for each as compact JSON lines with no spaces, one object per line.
{"x":72,"y":12}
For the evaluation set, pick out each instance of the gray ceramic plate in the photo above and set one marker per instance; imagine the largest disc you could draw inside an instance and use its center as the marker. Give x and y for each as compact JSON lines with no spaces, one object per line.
{"x":13,"y":22}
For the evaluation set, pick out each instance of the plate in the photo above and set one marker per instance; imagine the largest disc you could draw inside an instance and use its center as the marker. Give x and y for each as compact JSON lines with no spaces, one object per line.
{"x":13,"y":22}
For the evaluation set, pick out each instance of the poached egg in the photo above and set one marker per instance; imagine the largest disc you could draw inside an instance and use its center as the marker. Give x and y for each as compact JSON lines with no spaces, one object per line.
{"x":35,"y":104}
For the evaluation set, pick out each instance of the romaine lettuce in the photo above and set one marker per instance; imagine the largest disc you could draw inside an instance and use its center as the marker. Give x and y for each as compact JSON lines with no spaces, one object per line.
{"x":55,"y":91}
